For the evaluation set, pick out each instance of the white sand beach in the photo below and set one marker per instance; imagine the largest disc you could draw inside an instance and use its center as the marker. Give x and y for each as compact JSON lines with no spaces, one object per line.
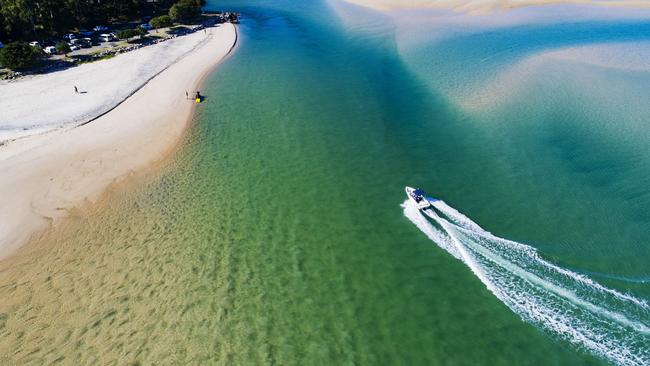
{"x":45,"y":175}
{"x":41,"y":103}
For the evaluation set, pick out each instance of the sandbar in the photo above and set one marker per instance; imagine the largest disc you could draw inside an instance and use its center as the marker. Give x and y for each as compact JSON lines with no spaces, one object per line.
{"x":46,"y":175}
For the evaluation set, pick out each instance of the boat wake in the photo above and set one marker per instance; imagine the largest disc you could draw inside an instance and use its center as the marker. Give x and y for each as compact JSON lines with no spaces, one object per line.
{"x":606,"y":322}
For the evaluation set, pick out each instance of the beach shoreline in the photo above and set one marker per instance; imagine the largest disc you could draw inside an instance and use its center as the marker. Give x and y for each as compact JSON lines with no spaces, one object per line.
{"x":78,"y":95}
{"x":55,"y":172}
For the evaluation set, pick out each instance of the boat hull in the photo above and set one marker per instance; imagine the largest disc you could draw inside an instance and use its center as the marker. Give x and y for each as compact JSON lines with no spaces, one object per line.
{"x":419,"y":200}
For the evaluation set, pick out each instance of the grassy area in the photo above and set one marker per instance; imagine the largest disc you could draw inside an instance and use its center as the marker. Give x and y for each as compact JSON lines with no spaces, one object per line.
{"x":92,"y":57}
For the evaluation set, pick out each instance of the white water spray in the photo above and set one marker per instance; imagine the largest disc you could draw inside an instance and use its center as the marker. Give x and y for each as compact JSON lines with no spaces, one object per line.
{"x":608,"y":323}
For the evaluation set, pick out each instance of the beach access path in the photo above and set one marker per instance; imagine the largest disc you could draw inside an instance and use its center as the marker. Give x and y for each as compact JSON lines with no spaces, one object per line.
{"x":44,"y":176}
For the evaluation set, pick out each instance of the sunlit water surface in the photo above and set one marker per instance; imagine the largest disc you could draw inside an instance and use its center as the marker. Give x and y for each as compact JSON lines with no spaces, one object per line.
{"x":275,"y":234}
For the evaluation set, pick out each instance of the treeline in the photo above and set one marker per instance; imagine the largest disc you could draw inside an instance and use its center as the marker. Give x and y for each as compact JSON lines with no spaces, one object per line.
{"x":37,"y":19}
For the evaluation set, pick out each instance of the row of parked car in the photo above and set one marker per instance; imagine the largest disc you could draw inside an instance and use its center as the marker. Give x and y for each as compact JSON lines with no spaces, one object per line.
{"x":82,"y":39}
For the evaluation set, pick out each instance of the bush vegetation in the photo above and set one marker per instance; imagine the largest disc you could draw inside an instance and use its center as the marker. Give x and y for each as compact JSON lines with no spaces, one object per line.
{"x":131,"y":33}
{"x":63,"y":47}
{"x":19,"y":56}
{"x":20,"y":19}
{"x":38,"y":19}
{"x":185,"y":10}
{"x":161,"y":21}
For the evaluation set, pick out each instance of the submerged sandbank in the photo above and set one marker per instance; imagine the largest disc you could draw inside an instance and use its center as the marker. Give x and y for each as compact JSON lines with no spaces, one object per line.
{"x":483,"y":6}
{"x":47,"y":175}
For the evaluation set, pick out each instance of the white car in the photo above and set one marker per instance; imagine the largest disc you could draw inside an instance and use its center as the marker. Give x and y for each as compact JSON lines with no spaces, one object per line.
{"x":35,"y":44}
{"x":145,"y":26}
{"x":50,"y":50}
{"x":74,"y":47}
{"x":106,"y":37}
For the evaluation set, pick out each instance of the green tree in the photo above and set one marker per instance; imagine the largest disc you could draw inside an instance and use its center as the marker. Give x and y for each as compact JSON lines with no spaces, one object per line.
{"x":18,"y":20}
{"x":63,"y":47}
{"x":33,"y":19}
{"x":161,"y":21}
{"x":125,"y":34}
{"x":140,"y":32}
{"x":130,"y":33}
{"x":19,"y":55}
{"x":185,"y":10}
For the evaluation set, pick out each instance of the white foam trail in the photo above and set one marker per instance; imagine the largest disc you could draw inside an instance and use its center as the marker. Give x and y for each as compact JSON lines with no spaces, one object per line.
{"x":610,"y":324}
{"x":436,"y":235}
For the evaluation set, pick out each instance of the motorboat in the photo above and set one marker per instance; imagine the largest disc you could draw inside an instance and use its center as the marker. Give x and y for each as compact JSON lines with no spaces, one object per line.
{"x":418,"y":196}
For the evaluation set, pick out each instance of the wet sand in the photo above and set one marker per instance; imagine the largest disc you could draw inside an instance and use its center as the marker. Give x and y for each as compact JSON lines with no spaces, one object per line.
{"x":48,"y":175}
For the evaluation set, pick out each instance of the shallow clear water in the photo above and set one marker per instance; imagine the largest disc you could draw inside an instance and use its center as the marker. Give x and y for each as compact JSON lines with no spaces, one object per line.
{"x":275,"y":235}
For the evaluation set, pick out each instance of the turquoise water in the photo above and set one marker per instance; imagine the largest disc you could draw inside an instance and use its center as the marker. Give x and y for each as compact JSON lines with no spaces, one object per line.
{"x":573,"y":136}
{"x":276,"y":235}
{"x":556,"y":166}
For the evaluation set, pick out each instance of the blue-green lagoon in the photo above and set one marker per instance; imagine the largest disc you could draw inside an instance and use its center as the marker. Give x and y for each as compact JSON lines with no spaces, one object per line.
{"x":279,"y":232}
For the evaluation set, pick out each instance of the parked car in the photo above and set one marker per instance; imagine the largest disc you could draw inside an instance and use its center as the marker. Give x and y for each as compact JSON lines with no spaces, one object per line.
{"x":106,"y":37}
{"x":100,"y":28}
{"x":86,"y":42}
{"x":76,"y":41}
{"x":74,"y":47}
{"x":35,"y":44}
{"x":86,"y":32}
{"x":70,"y":36}
{"x":145,"y":26}
{"x":50,"y":50}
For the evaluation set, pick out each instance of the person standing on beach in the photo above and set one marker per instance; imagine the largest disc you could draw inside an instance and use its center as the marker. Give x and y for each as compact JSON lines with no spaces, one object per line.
{"x":187,"y":96}
{"x":76,"y":91}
